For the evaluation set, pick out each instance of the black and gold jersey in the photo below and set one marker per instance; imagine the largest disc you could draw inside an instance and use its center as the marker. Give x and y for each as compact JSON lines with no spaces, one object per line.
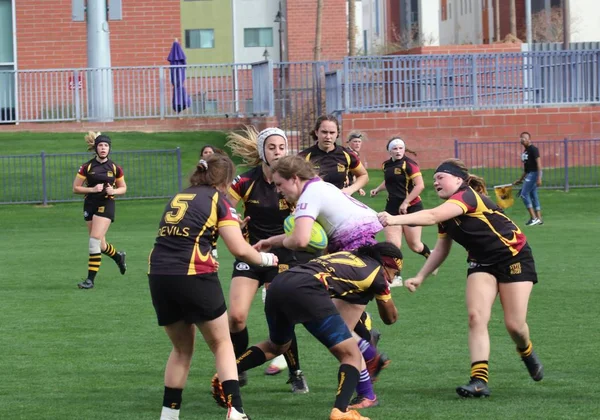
{"x":187,"y":231}
{"x":94,"y":173}
{"x":334,"y":166}
{"x":483,"y":229}
{"x":266,"y":207}
{"x":347,"y":276}
{"x":399,"y":175}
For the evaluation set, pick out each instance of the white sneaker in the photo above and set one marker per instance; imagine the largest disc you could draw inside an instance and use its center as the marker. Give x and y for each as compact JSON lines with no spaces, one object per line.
{"x":169,"y":414}
{"x":396,"y":282}
{"x":233,"y":414}
{"x":276,"y":366}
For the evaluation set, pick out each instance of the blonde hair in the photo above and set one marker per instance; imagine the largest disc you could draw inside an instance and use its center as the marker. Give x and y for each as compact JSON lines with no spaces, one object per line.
{"x":244,"y":145}
{"x":473,"y":181}
{"x":90,"y":138}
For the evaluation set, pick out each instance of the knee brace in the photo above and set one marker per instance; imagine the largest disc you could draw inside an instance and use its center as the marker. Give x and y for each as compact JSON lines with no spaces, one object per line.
{"x":95,"y":245}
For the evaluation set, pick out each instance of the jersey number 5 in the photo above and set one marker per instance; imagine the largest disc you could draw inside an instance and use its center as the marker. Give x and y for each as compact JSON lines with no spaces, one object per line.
{"x":179,"y":204}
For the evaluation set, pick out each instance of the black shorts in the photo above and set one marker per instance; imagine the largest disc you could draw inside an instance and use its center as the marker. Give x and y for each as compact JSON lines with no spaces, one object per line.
{"x":392,"y":206}
{"x":104,"y":208}
{"x":295,"y":298}
{"x":287,"y":259}
{"x":521,"y":267}
{"x":192,"y":299}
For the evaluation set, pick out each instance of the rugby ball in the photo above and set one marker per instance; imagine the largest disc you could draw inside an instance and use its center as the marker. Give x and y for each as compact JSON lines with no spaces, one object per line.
{"x":318,"y":236}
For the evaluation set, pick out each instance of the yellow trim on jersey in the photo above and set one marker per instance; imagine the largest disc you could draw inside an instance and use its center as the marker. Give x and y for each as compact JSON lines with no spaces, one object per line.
{"x":233,"y":193}
{"x":415,"y":175}
{"x":210,"y":222}
{"x":307,"y":157}
{"x":228,"y":223}
{"x":81,"y":176}
{"x":479,"y":215}
{"x":348,"y":159}
{"x":459,"y":203}
{"x":383,"y":298}
{"x":361,"y":284}
{"x":247,"y":195}
{"x":360,"y":165}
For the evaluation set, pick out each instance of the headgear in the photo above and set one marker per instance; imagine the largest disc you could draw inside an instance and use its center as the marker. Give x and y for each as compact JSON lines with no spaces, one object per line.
{"x":452,"y":169}
{"x":264,"y":135}
{"x":102,"y":138}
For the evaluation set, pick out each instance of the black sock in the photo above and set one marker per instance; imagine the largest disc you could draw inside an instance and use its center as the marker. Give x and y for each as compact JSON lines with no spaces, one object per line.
{"x":94,"y":262}
{"x":291,"y":356}
{"x":231,"y":389}
{"x":240,"y":341}
{"x":426,"y":251}
{"x":172,"y":398}
{"x":347,"y":380}
{"x":250,"y":359}
{"x":361,"y":329}
{"x":112,"y":253}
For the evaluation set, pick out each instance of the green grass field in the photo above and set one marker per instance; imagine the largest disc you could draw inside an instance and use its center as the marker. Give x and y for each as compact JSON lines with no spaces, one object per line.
{"x":98,"y":354}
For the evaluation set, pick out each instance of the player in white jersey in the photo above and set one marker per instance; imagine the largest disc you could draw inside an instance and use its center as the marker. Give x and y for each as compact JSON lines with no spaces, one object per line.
{"x":349,"y":224}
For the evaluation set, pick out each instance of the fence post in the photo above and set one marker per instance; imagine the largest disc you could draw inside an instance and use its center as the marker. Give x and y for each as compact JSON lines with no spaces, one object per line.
{"x":179,"y":176}
{"x":77,"y":89}
{"x":474,"y":80}
{"x":44,"y":186}
{"x":346,"y":84}
{"x":456,"y":149}
{"x":566,"y":143}
{"x":162,"y":92}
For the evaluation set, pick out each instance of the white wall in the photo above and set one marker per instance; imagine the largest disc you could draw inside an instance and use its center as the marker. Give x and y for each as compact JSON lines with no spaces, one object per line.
{"x":429,"y":22}
{"x":585,"y":20}
{"x":464,"y":26}
{"x":255,"y":14}
{"x":370,"y":16}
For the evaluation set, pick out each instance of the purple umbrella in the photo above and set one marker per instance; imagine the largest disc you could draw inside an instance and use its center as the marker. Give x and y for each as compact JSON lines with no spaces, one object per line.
{"x":177,"y":59}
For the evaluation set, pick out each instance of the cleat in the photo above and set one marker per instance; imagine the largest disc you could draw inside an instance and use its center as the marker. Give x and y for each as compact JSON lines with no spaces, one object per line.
{"x":243,"y":379}
{"x":396,"y":282}
{"x":86,"y":284}
{"x":277,"y":366}
{"x":476,"y":388}
{"x":233,"y":414}
{"x":360,"y":401}
{"x":121,"y":263}
{"x":534,"y":366}
{"x":217,"y":392}
{"x":337,"y":414}
{"x":375,"y":337}
{"x":377,"y":364}
{"x":298,"y":383}
{"x":533,"y":222}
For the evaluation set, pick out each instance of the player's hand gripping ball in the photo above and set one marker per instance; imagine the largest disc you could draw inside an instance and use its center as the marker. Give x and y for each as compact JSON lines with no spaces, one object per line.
{"x":318,"y":236}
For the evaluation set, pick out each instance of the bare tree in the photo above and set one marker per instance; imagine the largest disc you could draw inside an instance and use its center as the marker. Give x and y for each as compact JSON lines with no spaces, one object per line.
{"x":513,"y":18}
{"x":318,"y":30}
{"x":351,"y":27}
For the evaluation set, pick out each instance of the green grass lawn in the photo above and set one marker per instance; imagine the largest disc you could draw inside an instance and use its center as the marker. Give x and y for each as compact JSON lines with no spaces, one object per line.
{"x":98,"y":354}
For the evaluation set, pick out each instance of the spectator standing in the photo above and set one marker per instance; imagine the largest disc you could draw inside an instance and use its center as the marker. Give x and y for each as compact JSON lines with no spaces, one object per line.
{"x":531,"y":180}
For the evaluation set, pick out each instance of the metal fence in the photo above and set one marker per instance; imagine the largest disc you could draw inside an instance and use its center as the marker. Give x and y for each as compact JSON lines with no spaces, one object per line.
{"x":48,"y":178}
{"x":566,"y":163}
{"x":297,"y":92}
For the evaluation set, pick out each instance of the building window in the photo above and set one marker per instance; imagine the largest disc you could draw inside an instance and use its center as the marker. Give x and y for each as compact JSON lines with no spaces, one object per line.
{"x":258,"y":37}
{"x":199,"y":38}
{"x":444,"y":10}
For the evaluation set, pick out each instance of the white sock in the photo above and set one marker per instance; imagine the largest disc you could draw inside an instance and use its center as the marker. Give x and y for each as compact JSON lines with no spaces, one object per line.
{"x":169,"y":414}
